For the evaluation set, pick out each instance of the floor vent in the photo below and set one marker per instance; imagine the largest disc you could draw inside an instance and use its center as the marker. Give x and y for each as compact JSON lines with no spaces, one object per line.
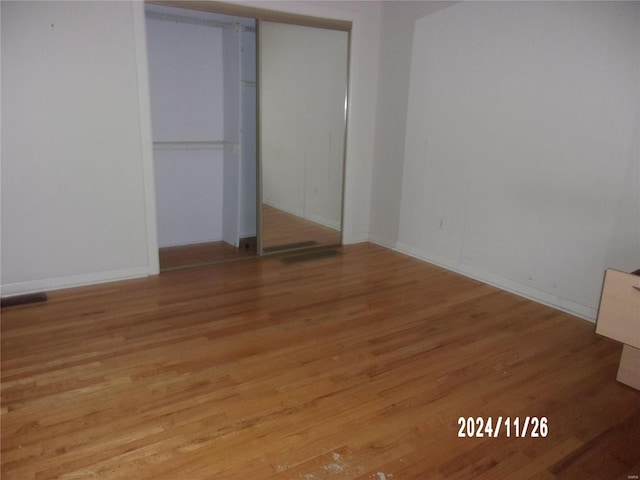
{"x":23,"y":299}
{"x":305,"y":257}
{"x":290,"y":246}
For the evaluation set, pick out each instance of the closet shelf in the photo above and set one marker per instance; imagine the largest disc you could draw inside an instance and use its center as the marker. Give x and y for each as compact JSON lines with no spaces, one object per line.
{"x":170,"y":17}
{"x":194,"y":145}
{"x":196,"y":20}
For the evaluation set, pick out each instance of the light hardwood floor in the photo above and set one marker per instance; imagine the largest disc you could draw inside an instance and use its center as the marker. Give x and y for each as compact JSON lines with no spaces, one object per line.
{"x":199,"y":254}
{"x":356,"y":366}
{"x":281,"y":228}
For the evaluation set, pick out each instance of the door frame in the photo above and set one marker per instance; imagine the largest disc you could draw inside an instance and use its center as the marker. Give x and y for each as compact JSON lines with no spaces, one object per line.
{"x":144,"y":102}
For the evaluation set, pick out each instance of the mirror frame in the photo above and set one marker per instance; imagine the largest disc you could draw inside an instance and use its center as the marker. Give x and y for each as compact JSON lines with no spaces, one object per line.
{"x":259,"y":189}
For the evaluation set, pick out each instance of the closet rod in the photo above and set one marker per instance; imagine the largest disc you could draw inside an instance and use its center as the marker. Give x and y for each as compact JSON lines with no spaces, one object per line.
{"x":172,"y":17}
{"x":193,"y":145}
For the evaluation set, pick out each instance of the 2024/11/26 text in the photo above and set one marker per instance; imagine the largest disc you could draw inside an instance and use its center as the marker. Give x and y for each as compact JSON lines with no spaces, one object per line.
{"x":533,"y":427}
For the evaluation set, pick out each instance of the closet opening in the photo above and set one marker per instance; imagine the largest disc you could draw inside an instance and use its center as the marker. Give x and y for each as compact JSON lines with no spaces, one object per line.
{"x":202,"y":76}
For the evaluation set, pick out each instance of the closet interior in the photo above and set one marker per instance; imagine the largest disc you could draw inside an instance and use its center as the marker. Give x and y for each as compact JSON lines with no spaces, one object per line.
{"x":202,"y":74}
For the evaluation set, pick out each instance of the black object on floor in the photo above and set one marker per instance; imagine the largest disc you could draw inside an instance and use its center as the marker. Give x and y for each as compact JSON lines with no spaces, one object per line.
{"x":304,"y":257}
{"x":23,"y":299}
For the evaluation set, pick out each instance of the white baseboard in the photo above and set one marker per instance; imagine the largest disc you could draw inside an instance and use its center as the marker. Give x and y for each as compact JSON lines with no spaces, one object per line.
{"x":49,"y":284}
{"x":327,"y":222}
{"x":197,"y":242}
{"x":357,"y":238}
{"x":582,"y":311}
{"x":383,"y":242}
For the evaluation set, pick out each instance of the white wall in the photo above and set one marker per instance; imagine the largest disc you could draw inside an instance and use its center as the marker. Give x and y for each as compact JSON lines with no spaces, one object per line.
{"x":521,"y":156}
{"x":396,"y":45}
{"x":73,"y":146}
{"x":303,"y":80}
{"x":186,"y":84}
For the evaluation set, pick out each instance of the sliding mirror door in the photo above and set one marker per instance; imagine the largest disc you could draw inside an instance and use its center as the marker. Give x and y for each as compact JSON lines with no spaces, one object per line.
{"x":302,"y":97}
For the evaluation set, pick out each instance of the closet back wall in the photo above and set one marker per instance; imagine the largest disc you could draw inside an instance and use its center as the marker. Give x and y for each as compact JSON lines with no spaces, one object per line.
{"x":186,"y":85}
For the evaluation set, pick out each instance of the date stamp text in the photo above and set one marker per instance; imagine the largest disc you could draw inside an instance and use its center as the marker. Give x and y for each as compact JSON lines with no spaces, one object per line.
{"x":516,"y":427}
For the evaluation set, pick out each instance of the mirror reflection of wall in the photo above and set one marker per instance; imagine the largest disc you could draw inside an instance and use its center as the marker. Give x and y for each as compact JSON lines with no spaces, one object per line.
{"x":202,"y":69}
{"x":303,"y":83}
